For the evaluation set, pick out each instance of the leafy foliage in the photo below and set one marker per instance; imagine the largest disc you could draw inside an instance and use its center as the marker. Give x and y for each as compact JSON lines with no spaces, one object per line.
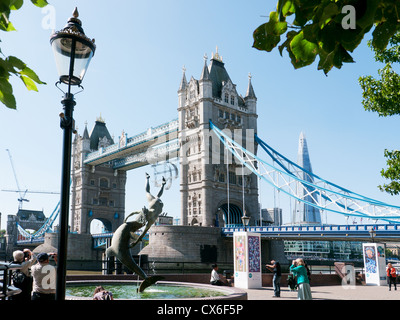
{"x":392,"y":172}
{"x":11,"y":65}
{"x":319,"y":28}
{"x":383,"y":96}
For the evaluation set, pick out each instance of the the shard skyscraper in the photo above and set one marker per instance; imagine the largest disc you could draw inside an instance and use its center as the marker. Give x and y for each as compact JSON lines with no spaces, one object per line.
{"x":305,"y":213}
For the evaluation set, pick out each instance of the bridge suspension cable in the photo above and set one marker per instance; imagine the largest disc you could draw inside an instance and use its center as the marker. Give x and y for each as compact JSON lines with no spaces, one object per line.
{"x":307,"y":187}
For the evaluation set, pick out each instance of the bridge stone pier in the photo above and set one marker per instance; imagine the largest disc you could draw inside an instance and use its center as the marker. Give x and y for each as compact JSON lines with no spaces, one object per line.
{"x":27,"y":219}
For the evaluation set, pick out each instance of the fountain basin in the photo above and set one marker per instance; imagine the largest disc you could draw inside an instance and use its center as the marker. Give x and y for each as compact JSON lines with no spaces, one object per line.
{"x":126,"y":290}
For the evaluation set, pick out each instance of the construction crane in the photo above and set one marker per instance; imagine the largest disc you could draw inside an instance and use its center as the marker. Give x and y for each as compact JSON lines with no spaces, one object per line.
{"x":22,"y":194}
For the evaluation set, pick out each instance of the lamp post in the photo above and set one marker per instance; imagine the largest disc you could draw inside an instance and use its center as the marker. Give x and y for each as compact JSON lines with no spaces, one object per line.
{"x":372,"y":234}
{"x":73,"y":52}
{"x":245,"y":221}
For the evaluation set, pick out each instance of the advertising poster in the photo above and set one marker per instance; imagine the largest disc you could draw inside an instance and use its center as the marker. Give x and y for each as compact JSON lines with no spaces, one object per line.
{"x":240,"y":253}
{"x":247,"y":260}
{"x":374,"y":263}
{"x":254,"y":254}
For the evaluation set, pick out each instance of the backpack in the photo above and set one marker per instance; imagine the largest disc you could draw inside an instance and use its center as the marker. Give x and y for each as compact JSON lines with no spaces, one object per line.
{"x":18,"y":278}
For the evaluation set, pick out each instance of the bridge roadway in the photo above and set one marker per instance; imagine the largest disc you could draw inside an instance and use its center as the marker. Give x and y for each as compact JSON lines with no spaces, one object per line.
{"x":356,"y":232}
{"x":156,"y":143}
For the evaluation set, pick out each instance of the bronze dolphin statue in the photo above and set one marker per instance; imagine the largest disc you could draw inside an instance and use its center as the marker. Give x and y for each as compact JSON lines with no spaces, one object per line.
{"x":125,"y":238}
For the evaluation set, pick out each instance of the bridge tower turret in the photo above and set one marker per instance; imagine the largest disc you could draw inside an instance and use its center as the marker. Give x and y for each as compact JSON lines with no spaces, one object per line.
{"x":213,"y":189}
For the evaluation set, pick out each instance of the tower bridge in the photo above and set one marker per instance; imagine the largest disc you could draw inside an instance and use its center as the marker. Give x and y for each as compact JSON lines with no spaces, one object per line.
{"x":216,"y":141}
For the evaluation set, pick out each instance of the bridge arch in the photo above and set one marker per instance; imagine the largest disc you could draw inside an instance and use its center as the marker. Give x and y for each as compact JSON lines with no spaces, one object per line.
{"x":233,"y":217}
{"x":96,"y":223}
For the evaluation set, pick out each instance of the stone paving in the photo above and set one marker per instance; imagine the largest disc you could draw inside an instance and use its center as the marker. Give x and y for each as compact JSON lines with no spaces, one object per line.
{"x":359,"y":292}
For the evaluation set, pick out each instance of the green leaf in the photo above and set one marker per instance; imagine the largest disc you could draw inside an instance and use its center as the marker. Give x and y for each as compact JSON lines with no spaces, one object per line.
{"x":40,"y":3}
{"x":289,"y":36}
{"x":351,"y":38}
{"x":368,"y":17}
{"x":288,"y":8}
{"x":14,"y":62}
{"x":382,"y":34}
{"x":340,"y":56}
{"x":303,"y":49}
{"x":29,"y":83}
{"x":31,"y":74}
{"x":326,"y":61}
{"x":6,"y":96}
{"x":263,"y":40}
{"x":5,"y":24}
{"x":267,"y":36}
{"x":330,"y":11}
{"x":16,"y":4}
{"x":274,"y":26}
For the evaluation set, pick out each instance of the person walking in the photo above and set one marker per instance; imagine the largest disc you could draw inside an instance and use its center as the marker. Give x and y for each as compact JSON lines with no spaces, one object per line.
{"x":299,"y":270}
{"x":275,"y":267}
{"x":391,"y":276}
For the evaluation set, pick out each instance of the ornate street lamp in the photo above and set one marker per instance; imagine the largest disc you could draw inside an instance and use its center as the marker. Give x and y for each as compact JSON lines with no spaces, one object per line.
{"x":372,"y":234}
{"x":245,"y":221}
{"x":73,"y":52}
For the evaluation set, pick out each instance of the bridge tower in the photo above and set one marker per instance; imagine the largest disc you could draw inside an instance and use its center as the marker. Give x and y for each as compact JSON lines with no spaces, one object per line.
{"x":208,"y":175}
{"x":96,"y":192}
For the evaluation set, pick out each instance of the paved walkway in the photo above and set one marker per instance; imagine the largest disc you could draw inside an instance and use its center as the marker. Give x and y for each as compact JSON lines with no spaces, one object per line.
{"x":359,"y":292}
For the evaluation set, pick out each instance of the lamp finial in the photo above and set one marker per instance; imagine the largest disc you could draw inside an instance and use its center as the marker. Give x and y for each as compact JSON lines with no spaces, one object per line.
{"x":75,"y":14}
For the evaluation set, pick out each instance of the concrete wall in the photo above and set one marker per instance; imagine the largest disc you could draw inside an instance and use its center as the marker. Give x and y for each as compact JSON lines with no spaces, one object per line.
{"x":201,"y":244}
{"x":184,"y":243}
{"x":80,"y":253}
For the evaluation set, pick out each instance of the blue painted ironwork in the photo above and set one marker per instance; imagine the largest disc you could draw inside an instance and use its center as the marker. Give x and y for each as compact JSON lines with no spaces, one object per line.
{"x":101,"y":239}
{"x":323,"y":232}
{"x":158,"y":141}
{"x":339,"y":200}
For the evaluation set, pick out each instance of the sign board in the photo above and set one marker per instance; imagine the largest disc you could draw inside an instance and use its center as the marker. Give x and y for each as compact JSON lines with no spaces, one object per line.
{"x":247,"y":260}
{"x":374,"y":264}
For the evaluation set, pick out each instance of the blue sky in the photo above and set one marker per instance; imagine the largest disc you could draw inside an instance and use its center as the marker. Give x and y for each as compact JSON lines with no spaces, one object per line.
{"x":133,"y":81}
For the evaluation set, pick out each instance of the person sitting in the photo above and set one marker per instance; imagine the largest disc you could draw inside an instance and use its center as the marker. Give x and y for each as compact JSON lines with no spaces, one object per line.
{"x":102,"y":294}
{"x":215,"y":279}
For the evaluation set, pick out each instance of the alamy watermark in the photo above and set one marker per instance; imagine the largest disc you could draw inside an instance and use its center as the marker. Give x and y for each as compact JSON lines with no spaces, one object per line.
{"x":49,"y":19}
{"x":49,"y":280}
{"x":203,"y":145}
{"x":349,"y":20}
{"x":349,"y":279}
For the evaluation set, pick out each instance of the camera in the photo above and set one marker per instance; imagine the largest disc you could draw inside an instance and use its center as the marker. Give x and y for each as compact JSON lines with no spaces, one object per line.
{"x":27,"y":255}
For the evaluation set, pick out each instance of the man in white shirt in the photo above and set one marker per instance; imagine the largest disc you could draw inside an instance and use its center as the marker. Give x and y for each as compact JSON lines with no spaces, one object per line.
{"x":215,"y":279}
{"x":44,"y":278}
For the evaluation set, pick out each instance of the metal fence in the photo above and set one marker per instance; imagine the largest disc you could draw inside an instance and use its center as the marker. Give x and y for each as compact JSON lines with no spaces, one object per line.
{"x":6,"y":289}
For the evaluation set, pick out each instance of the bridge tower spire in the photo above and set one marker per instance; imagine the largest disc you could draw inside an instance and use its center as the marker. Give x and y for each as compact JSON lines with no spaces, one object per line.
{"x":208,"y":175}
